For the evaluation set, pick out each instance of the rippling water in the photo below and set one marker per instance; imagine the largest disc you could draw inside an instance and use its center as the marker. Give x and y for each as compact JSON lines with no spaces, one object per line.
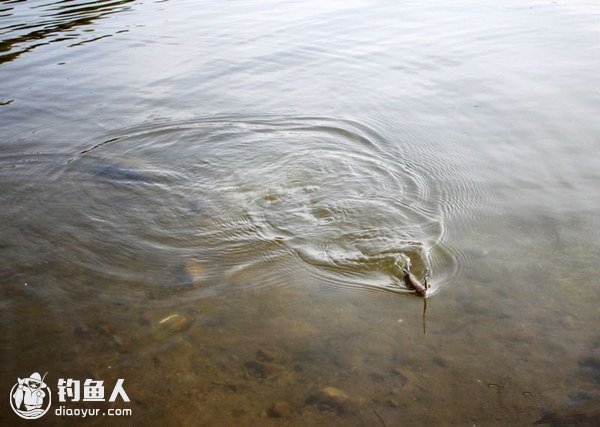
{"x":27,"y":25}
{"x":188,"y":186}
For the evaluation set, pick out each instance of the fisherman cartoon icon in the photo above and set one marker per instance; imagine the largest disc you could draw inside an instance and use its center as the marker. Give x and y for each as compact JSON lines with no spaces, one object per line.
{"x":30,"y":397}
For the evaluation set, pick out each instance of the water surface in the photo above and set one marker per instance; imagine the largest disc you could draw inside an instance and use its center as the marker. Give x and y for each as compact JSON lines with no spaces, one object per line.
{"x":259,"y":171}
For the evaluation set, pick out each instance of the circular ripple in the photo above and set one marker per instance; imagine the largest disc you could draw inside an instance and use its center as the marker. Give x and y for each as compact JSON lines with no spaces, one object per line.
{"x":260,"y":201}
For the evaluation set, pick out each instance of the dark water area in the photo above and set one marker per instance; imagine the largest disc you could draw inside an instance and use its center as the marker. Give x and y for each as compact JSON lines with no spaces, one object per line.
{"x":214,"y":201}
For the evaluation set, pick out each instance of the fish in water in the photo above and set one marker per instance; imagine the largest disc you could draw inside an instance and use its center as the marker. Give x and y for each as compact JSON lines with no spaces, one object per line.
{"x":116,"y":172}
{"x":413,"y":283}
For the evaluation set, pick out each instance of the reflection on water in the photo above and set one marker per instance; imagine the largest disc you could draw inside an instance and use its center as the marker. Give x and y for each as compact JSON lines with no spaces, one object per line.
{"x":25,"y":25}
{"x":215,"y":206}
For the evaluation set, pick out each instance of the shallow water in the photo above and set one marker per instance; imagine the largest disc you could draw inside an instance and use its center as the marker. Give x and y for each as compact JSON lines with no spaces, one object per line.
{"x":212,"y":200}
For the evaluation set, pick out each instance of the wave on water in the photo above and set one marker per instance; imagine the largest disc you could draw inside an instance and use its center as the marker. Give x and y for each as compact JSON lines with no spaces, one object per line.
{"x":25,"y":26}
{"x":257,"y":201}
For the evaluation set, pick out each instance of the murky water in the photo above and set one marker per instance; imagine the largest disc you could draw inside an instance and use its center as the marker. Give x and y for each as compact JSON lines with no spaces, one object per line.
{"x":213,"y":200}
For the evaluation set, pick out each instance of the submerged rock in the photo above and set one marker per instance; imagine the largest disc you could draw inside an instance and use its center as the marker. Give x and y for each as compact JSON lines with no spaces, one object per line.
{"x":263,"y":369}
{"x":331,"y":399}
{"x":266,"y":365}
{"x":174,"y":322}
{"x":280,"y":409}
{"x":170,"y":325}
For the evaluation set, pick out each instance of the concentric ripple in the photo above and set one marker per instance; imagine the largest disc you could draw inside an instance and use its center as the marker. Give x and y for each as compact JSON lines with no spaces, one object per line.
{"x":254,"y":202}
